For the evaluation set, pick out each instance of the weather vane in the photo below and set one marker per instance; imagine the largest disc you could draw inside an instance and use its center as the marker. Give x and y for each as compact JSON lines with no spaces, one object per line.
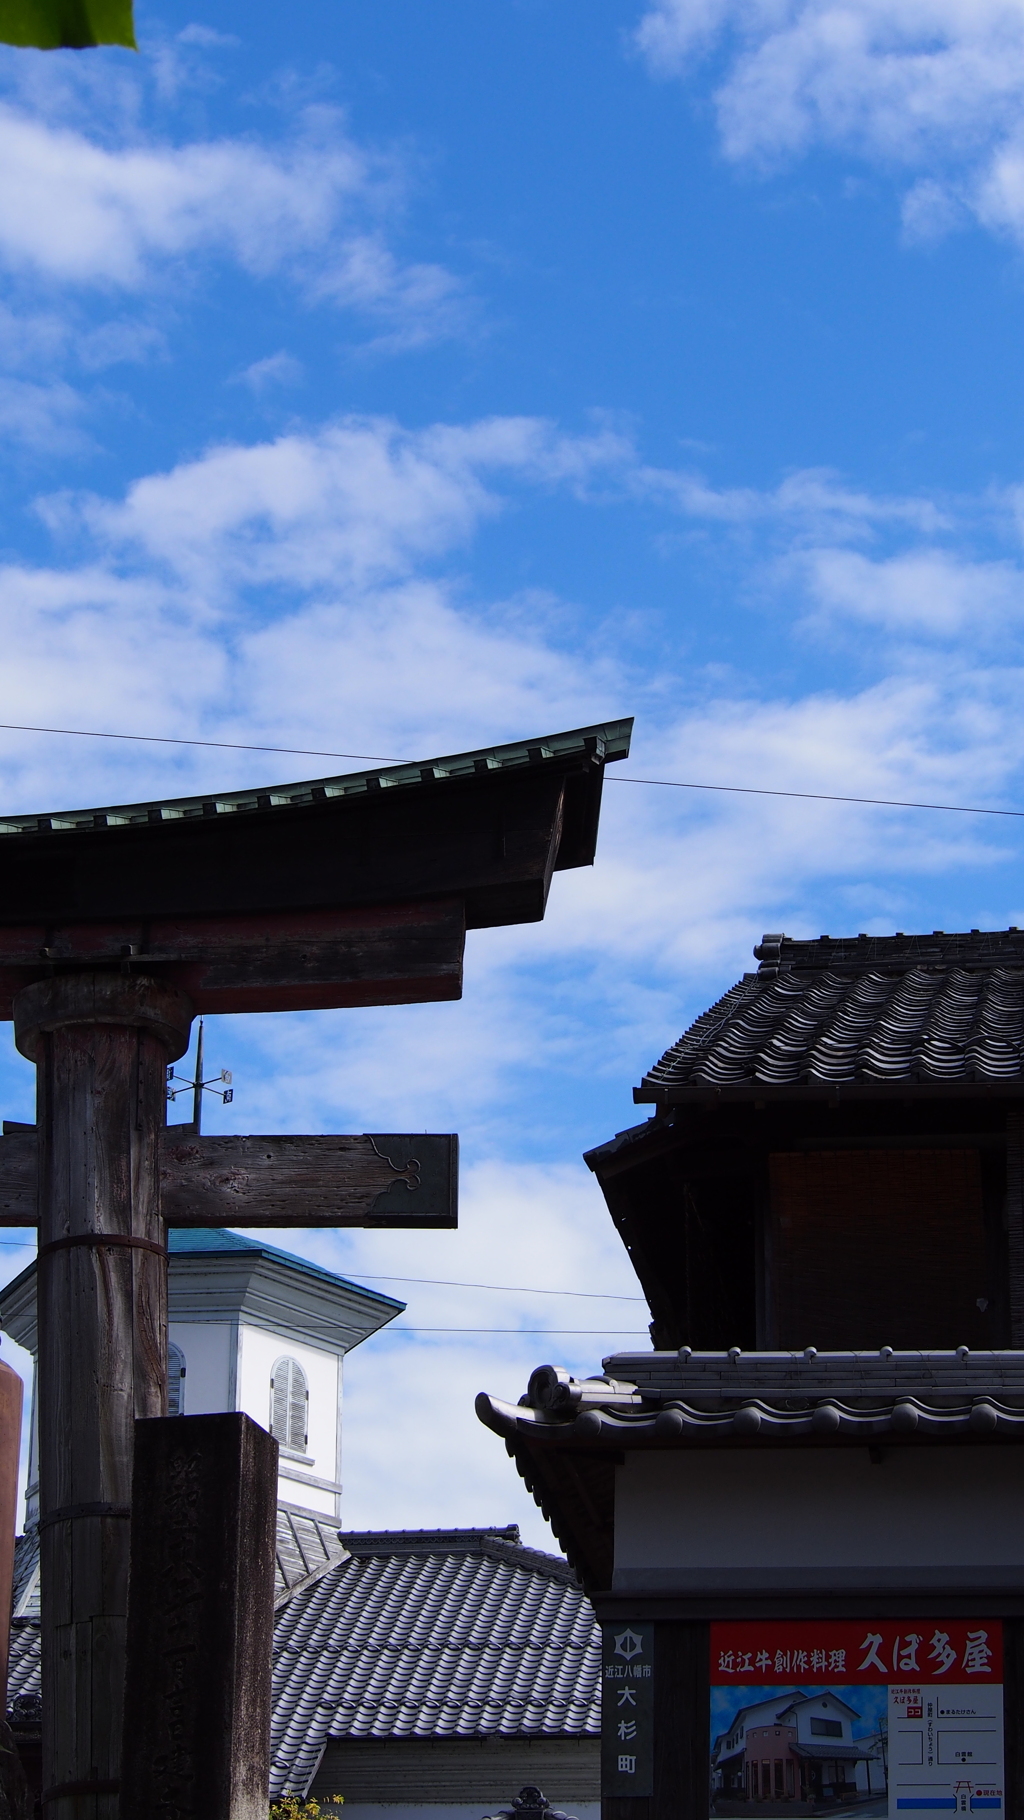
{"x":220,"y":1084}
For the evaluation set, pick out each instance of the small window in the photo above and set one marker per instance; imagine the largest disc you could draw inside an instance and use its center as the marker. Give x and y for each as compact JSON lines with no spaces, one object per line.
{"x":289,"y":1405}
{"x":826,"y":1728}
{"x":175,"y":1380}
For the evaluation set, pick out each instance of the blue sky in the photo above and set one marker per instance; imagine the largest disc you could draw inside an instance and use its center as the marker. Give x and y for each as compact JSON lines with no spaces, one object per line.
{"x":402,"y":379}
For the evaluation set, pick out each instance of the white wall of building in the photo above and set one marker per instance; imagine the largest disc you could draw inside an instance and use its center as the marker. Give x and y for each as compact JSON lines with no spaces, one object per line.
{"x":820,"y":1517}
{"x":208,"y":1348}
{"x":258,"y":1353}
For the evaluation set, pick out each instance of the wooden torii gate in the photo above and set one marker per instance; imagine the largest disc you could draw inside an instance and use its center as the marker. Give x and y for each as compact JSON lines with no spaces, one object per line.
{"x":116,"y":927}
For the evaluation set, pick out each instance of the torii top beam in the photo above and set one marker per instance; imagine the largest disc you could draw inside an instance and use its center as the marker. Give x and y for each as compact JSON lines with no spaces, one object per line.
{"x":351,"y":890}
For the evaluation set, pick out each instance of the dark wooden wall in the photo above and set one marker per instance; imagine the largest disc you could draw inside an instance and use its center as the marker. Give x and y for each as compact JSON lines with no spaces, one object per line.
{"x":692,"y":1200}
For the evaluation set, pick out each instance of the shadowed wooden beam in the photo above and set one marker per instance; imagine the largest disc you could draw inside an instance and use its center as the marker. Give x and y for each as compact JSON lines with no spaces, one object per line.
{"x":369,"y":1180}
{"x":296,"y":960}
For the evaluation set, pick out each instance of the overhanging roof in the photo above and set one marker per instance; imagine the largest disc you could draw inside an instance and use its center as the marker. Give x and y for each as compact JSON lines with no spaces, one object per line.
{"x":347,"y":890}
{"x":568,"y":1435}
{"x":217,"y":1276}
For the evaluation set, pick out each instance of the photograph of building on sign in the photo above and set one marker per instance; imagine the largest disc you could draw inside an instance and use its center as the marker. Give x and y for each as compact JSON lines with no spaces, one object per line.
{"x":865,"y":1719}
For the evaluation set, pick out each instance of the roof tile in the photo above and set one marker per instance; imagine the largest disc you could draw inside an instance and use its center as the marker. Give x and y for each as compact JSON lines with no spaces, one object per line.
{"x":940,"y":1009}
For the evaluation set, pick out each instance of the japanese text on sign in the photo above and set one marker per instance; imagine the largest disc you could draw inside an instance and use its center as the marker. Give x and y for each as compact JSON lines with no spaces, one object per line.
{"x":875,"y":1651}
{"x":627,"y":1709}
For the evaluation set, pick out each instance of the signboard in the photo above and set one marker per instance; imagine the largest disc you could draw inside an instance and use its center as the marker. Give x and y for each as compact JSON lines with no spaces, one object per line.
{"x":627,"y":1709}
{"x":882,"y":1718}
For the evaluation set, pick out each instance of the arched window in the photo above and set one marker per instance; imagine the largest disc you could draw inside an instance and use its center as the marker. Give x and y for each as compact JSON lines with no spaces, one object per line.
{"x":175,"y":1380}
{"x":289,"y":1405}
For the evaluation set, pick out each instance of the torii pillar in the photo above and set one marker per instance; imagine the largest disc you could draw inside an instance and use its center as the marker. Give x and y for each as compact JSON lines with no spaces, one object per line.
{"x":101,"y":1044}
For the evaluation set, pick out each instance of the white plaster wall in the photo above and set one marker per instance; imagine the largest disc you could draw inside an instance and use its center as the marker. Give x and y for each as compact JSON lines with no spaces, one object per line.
{"x":802,"y":1517}
{"x":209,"y":1352}
{"x":258,"y":1353}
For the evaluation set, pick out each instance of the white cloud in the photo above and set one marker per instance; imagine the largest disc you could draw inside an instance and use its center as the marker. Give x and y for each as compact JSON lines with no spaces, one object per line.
{"x":810,"y":502}
{"x":449,"y":1470}
{"x":43,"y":418}
{"x":929,"y":593}
{"x":80,"y":213}
{"x":280,"y":369}
{"x":937,"y":84}
{"x":353,"y":503}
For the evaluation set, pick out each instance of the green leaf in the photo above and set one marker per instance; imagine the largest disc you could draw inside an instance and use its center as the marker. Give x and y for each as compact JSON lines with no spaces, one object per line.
{"x":51,"y":25}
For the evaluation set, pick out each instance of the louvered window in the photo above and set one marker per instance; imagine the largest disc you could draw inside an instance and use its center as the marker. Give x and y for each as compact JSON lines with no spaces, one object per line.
{"x":879,"y":1248}
{"x":289,"y":1405}
{"x":175,"y":1380}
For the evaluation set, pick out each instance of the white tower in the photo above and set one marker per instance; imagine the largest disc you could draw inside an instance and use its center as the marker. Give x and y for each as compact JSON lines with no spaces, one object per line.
{"x":250,"y":1328}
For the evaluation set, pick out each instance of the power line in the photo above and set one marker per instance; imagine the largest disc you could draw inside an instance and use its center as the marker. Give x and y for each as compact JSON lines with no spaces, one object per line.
{"x":665,"y":783}
{"x":613,"y":1333}
{"x":589,"y":1295}
{"x":815,"y":796}
{"x":220,"y":745}
{"x":593,"y":1295}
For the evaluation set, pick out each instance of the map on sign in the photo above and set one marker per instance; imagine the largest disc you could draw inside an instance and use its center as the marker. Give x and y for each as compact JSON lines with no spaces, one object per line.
{"x":874,"y":1718}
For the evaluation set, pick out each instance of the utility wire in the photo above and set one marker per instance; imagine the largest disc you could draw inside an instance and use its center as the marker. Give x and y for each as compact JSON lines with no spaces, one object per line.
{"x":592,"y":1295}
{"x":221,"y":745}
{"x":666,"y":783}
{"x":589,"y":1295}
{"x":613,"y":1333}
{"x":815,"y":796}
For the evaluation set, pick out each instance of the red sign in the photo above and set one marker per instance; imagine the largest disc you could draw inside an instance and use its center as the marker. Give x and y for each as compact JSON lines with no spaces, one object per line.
{"x":847,"y":1653}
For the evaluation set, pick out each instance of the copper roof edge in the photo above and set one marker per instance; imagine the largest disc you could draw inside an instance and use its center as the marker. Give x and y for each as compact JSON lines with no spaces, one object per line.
{"x":608,"y":741}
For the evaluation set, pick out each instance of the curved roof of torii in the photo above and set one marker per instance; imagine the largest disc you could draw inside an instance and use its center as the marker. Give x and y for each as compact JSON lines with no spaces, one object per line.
{"x":349,"y":890}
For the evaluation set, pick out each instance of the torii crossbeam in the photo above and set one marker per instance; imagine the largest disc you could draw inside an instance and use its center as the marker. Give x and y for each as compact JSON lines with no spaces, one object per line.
{"x":116,"y":927}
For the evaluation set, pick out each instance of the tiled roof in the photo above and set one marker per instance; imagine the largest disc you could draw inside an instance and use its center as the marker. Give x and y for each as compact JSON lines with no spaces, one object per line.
{"x":307,"y":1544}
{"x":610,"y":741}
{"x":864,"y":1011}
{"x":443,"y":1637}
{"x":408,"y":1634}
{"x":23,"y":1661}
{"x":661,"y":1399}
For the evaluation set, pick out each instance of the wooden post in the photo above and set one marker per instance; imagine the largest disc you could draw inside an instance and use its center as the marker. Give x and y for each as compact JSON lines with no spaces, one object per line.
{"x":200,"y":1620}
{"x":101,"y":1043}
{"x":11,"y":1395}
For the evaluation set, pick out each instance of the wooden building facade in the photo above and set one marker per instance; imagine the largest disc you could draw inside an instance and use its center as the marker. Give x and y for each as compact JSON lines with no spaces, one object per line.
{"x":812,"y":1487}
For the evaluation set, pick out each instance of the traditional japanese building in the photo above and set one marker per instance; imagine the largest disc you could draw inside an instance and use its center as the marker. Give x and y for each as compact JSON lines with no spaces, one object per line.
{"x":810,"y":1489}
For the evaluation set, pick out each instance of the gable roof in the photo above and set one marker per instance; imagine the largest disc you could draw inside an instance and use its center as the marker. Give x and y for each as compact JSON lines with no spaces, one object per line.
{"x":444,"y":1634}
{"x":936,"y":1011}
{"x":403,"y":1634}
{"x":823,"y":1697}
